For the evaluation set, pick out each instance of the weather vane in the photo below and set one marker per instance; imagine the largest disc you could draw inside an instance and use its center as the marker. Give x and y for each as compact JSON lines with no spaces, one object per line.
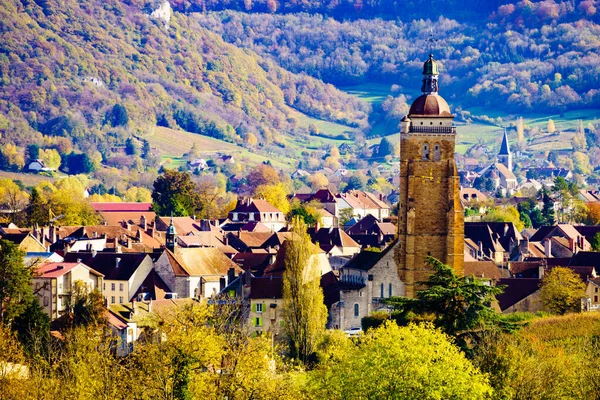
{"x":431,"y":41}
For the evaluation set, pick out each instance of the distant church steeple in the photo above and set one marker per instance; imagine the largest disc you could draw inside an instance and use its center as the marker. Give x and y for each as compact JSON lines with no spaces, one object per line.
{"x":505,"y":156}
{"x":171,"y":237}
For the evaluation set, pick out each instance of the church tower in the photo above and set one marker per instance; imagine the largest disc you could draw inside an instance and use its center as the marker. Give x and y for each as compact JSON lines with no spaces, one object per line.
{"x":171,"y":237}
{"x":431,"y":220}
{"x":505,"y":156}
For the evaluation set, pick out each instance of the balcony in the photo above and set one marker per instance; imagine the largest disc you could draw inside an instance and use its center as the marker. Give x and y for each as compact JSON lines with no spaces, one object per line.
{"x":433,"y":129}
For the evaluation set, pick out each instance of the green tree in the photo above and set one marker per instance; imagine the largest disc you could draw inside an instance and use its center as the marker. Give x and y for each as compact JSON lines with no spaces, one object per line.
{"x":356,"y":182}
{"x":132,"y":147}
{"x":596,"y":242}
{"x":32,"y":327}
{"x":386,"y":148}
{"x":459,"y":305}
{"x":346,"y":215}
{"x":392,"y":362}
{"x":304,"y":311}
{"x":561,"y":291}
{"x":118,"y":115}
{"x":15,"y":282}
{"x":37,"y":210}
{"x":308,"y":212}
{"x":174,"y":194}
{"x":548,"y":209}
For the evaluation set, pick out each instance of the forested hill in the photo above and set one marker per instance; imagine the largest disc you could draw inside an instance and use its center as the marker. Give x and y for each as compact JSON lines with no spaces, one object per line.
{"x":536,"y":56}
{"x":86,"y":75}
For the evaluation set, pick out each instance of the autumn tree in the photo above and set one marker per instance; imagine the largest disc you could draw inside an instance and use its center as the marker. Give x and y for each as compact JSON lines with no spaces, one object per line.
{"x":318,"y":181}
{"x":15,"y":282}
{"x":174,"y":194}
{"x":12,"y":198}
{"x":308,"y":212}
{"x":304,"y":311}
{"x":520,"y":133}
{"x":262,"y":174}
{"x":561,"y":291}
{"x":275,"y":194}
{"x":392,"y":362}
{"x":551,"y":127}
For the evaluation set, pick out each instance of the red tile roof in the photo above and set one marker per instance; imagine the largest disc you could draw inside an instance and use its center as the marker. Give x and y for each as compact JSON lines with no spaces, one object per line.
{"x":122,"y":207}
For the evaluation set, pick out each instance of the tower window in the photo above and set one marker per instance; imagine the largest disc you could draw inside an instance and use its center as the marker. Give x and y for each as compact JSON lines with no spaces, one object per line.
{"x":431,"y":123}
{"x":440,"y":123}
{"x":425,"y":155}
{"x":437,"y":152}
{"x":356,"y":310}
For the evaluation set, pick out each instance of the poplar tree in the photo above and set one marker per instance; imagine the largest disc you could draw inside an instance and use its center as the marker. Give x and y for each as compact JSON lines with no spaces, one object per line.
{"x":15,"y":282}
{"x":304,"y":311}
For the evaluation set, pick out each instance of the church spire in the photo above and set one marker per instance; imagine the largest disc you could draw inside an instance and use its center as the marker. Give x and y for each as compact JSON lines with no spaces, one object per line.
{"x":505,"y":156}
{"x":430,"y":76}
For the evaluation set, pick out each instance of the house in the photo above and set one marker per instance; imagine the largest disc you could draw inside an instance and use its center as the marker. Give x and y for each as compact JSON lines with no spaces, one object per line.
{"x":589,"y":196}
{"x":520,"y":294}
{"x":340,"y":172}
{"x":370,"y":232}
{"x":123,"y":273}
{"x":53,"y":283}
{"x":363,"y":203}
{"x":199,"y":272}
{"x":496,"y":240}
{"x":300,"y":173}
{"x":323,"y":196}
{"x":502,"y":177}
{"x":266,"y":305}
{"x":364,"y":281}
{"x":198,"y":164}
{"x":226,"y":159}
{"x":124,"y":331}
{"x":471,"y":197}
{"x":334,"y":241}
{"x":251,"y":210}
{"x":328,"y":220}
{"x":485,"y":271}
{"x":39,"y":165}
{"x":26,"y":242}
{"x":564,"y":240}
{"x":592,"y":290}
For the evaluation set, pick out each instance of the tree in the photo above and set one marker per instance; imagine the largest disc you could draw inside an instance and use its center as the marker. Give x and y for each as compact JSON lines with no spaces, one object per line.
{"x":275,"y":194}
{"x":118,"y":115}
{"x":15,"y":282}
{"x":593,"y":214}
{"x":386,"y":148}
{"x":561,"y":291}
{"x":32,"y":327}
{"x":87,"y":307}
{"x":346,"y":214}
{"x":520,"y":133}
{"x":175,"y":194}
{"x":356,"y":182}
{"x":392,"y":362}
{"x":51,"y":158}
{"x":318,"y":181}
{"x":548,"y":209}
{"x":132,"y":147}
{"x":596,"y":242}
{"x":262,"y":174}
{"x":78,"y":163}
{"x":304,"y":311}
{"x":308,"y":212}
{"x":551,"y":126}
{"x":12,"y":198}
{"x":459,"y":305}
{"x":504,"y":214}
{"x":37,"y":210}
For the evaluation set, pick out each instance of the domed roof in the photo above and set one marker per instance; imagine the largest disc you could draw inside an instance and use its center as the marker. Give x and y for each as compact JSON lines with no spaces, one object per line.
{"x":430,"y":104}
{"x":430,"y":67}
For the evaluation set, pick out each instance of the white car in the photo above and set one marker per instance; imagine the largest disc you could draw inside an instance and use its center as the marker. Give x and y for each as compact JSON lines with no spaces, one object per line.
{"x":353,"y":332}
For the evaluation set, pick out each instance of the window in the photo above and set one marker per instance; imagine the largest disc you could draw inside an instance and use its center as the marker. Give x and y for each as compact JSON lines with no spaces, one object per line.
{"x":120,"y":299}
{"x":45,"y":301}
{"x":258,"y":321}
{"x":259,"y":308}
{"x":235,"y":216}
{"x":112,"y":286}
{"x":425,"y":155}
{"x":595,"y":290}
{"x":120,"y":287}
{"x":112,"y":299}
{"x":437,"y":152}
{"x":381,"y":289}
{"x":104,"y":286}
{"x":356,"y":310}
{"x":595,"y":298}
{"x":390,"y":290}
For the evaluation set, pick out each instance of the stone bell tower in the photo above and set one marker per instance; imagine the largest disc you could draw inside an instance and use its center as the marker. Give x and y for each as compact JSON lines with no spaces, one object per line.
{"x":430,"y":215}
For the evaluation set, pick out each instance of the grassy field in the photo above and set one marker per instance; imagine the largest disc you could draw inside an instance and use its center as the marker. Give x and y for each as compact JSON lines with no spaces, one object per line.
{"x":27,"y":179}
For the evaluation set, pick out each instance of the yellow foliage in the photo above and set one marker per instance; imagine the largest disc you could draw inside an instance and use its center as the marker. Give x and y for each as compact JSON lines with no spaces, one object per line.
{"x":275,"y":194}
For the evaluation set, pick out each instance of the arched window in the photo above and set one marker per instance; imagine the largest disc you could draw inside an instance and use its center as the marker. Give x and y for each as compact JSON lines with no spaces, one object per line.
{"x":425,"y":151}
{"x":390,"y":290}
{"x":437,"y":152}
{"x":381,"y":287}
{"x":356,"y":310}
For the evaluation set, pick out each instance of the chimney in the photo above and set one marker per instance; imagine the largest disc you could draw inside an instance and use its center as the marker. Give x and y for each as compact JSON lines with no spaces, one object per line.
{"x":117,"y":262}
{"x":78,"y":260}
{"x":548,"y":248}
{"x":523,"y":248}
{"x":541,"y":271}
{"x":225,"y":239}
{"x":151,"y":232}
{"x":272,"y":258}
{"x":480,"y":253}
{"x":52,"y":234}
{"x":505,"y":229}
{"x":94,"y":252}
{"x":129,"y":243}
{"x":95,"y":235}
{"x":139,"y":236}
{"x":230,"y":275}
{"x":143,"y":222}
